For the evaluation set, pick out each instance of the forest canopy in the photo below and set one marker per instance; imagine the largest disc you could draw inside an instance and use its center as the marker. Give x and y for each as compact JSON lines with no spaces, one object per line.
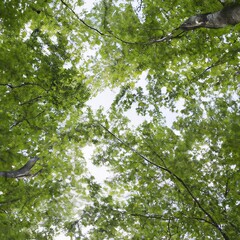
{"x":177,"y":180}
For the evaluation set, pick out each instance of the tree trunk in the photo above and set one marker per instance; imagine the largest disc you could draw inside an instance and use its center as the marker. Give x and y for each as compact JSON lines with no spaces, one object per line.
{"x":227,"y":16}
{"x":22,"y":172}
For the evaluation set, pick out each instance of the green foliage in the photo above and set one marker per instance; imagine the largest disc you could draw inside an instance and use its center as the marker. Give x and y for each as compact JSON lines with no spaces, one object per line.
{"x":169,"y":182}
{"x":40,"y":94}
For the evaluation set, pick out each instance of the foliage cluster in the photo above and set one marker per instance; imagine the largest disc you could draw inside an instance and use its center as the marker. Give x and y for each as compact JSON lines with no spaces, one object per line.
{"x":169,"y":182}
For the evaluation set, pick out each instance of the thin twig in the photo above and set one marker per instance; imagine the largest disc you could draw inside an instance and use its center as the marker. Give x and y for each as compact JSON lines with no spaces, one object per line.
{"x":81,"y":20}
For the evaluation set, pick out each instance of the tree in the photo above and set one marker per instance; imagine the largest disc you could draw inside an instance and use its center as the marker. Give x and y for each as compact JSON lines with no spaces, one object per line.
{"x":42,"y":94}
{"x":22,"y":172}
{"x":227,"y":16}
{"x":170,"y":182}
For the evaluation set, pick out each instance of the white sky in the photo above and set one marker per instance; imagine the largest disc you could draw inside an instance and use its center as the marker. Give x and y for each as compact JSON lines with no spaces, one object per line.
{"x":105,"y":100}
{"x":88,"y":150}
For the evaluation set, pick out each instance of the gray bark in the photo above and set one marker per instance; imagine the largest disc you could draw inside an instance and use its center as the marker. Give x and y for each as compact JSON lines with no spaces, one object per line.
{"x":227,"y":16}
{"x":22,"y":172}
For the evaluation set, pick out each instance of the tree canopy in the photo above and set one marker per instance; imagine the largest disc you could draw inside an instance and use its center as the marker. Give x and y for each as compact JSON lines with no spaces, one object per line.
{"x":168,"y":181}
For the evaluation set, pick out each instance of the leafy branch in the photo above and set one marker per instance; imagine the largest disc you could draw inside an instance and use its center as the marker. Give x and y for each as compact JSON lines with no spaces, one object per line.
{"x":224,"y":17}
{"x":17,"y":122}
{"x":161,"y":217}
{"x":168,"y":37}
{"x":81,"y":20}
{"x":176,"y":177}
{"x":25,"y":84}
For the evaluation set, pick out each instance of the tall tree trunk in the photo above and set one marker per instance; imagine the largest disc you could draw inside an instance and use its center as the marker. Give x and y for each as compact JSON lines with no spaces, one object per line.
{"x":227,"y":16}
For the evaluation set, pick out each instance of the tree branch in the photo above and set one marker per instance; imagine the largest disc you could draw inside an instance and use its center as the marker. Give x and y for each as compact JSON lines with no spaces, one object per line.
{"x":25,"y":84}
{"x":229,"y":15}
{"x":181,"y":181}
{"x":161,"y":217}
{"x":168,"y":37}
{"x":221,"y":2}
{"x":22,"y":172}
{"x":81,"y":20}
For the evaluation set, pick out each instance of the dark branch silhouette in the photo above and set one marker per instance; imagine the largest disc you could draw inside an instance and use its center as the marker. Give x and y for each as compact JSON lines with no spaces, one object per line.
{"x":22,"y":172}
{"x":81,"y":20}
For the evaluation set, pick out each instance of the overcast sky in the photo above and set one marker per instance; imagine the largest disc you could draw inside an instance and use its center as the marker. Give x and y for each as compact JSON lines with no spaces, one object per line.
{"x":105,"y":99}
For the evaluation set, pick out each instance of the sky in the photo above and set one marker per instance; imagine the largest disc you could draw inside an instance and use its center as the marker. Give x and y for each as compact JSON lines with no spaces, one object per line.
{"x":105,"y":99}
{"x":98,"y":173}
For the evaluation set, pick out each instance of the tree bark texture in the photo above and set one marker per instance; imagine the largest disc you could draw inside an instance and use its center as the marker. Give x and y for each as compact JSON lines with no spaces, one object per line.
{"x":22,"y":172}
{"x":229,"y":15}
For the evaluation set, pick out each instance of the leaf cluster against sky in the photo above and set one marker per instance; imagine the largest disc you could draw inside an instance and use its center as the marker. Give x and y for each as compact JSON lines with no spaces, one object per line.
{"x":178,"y":182}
